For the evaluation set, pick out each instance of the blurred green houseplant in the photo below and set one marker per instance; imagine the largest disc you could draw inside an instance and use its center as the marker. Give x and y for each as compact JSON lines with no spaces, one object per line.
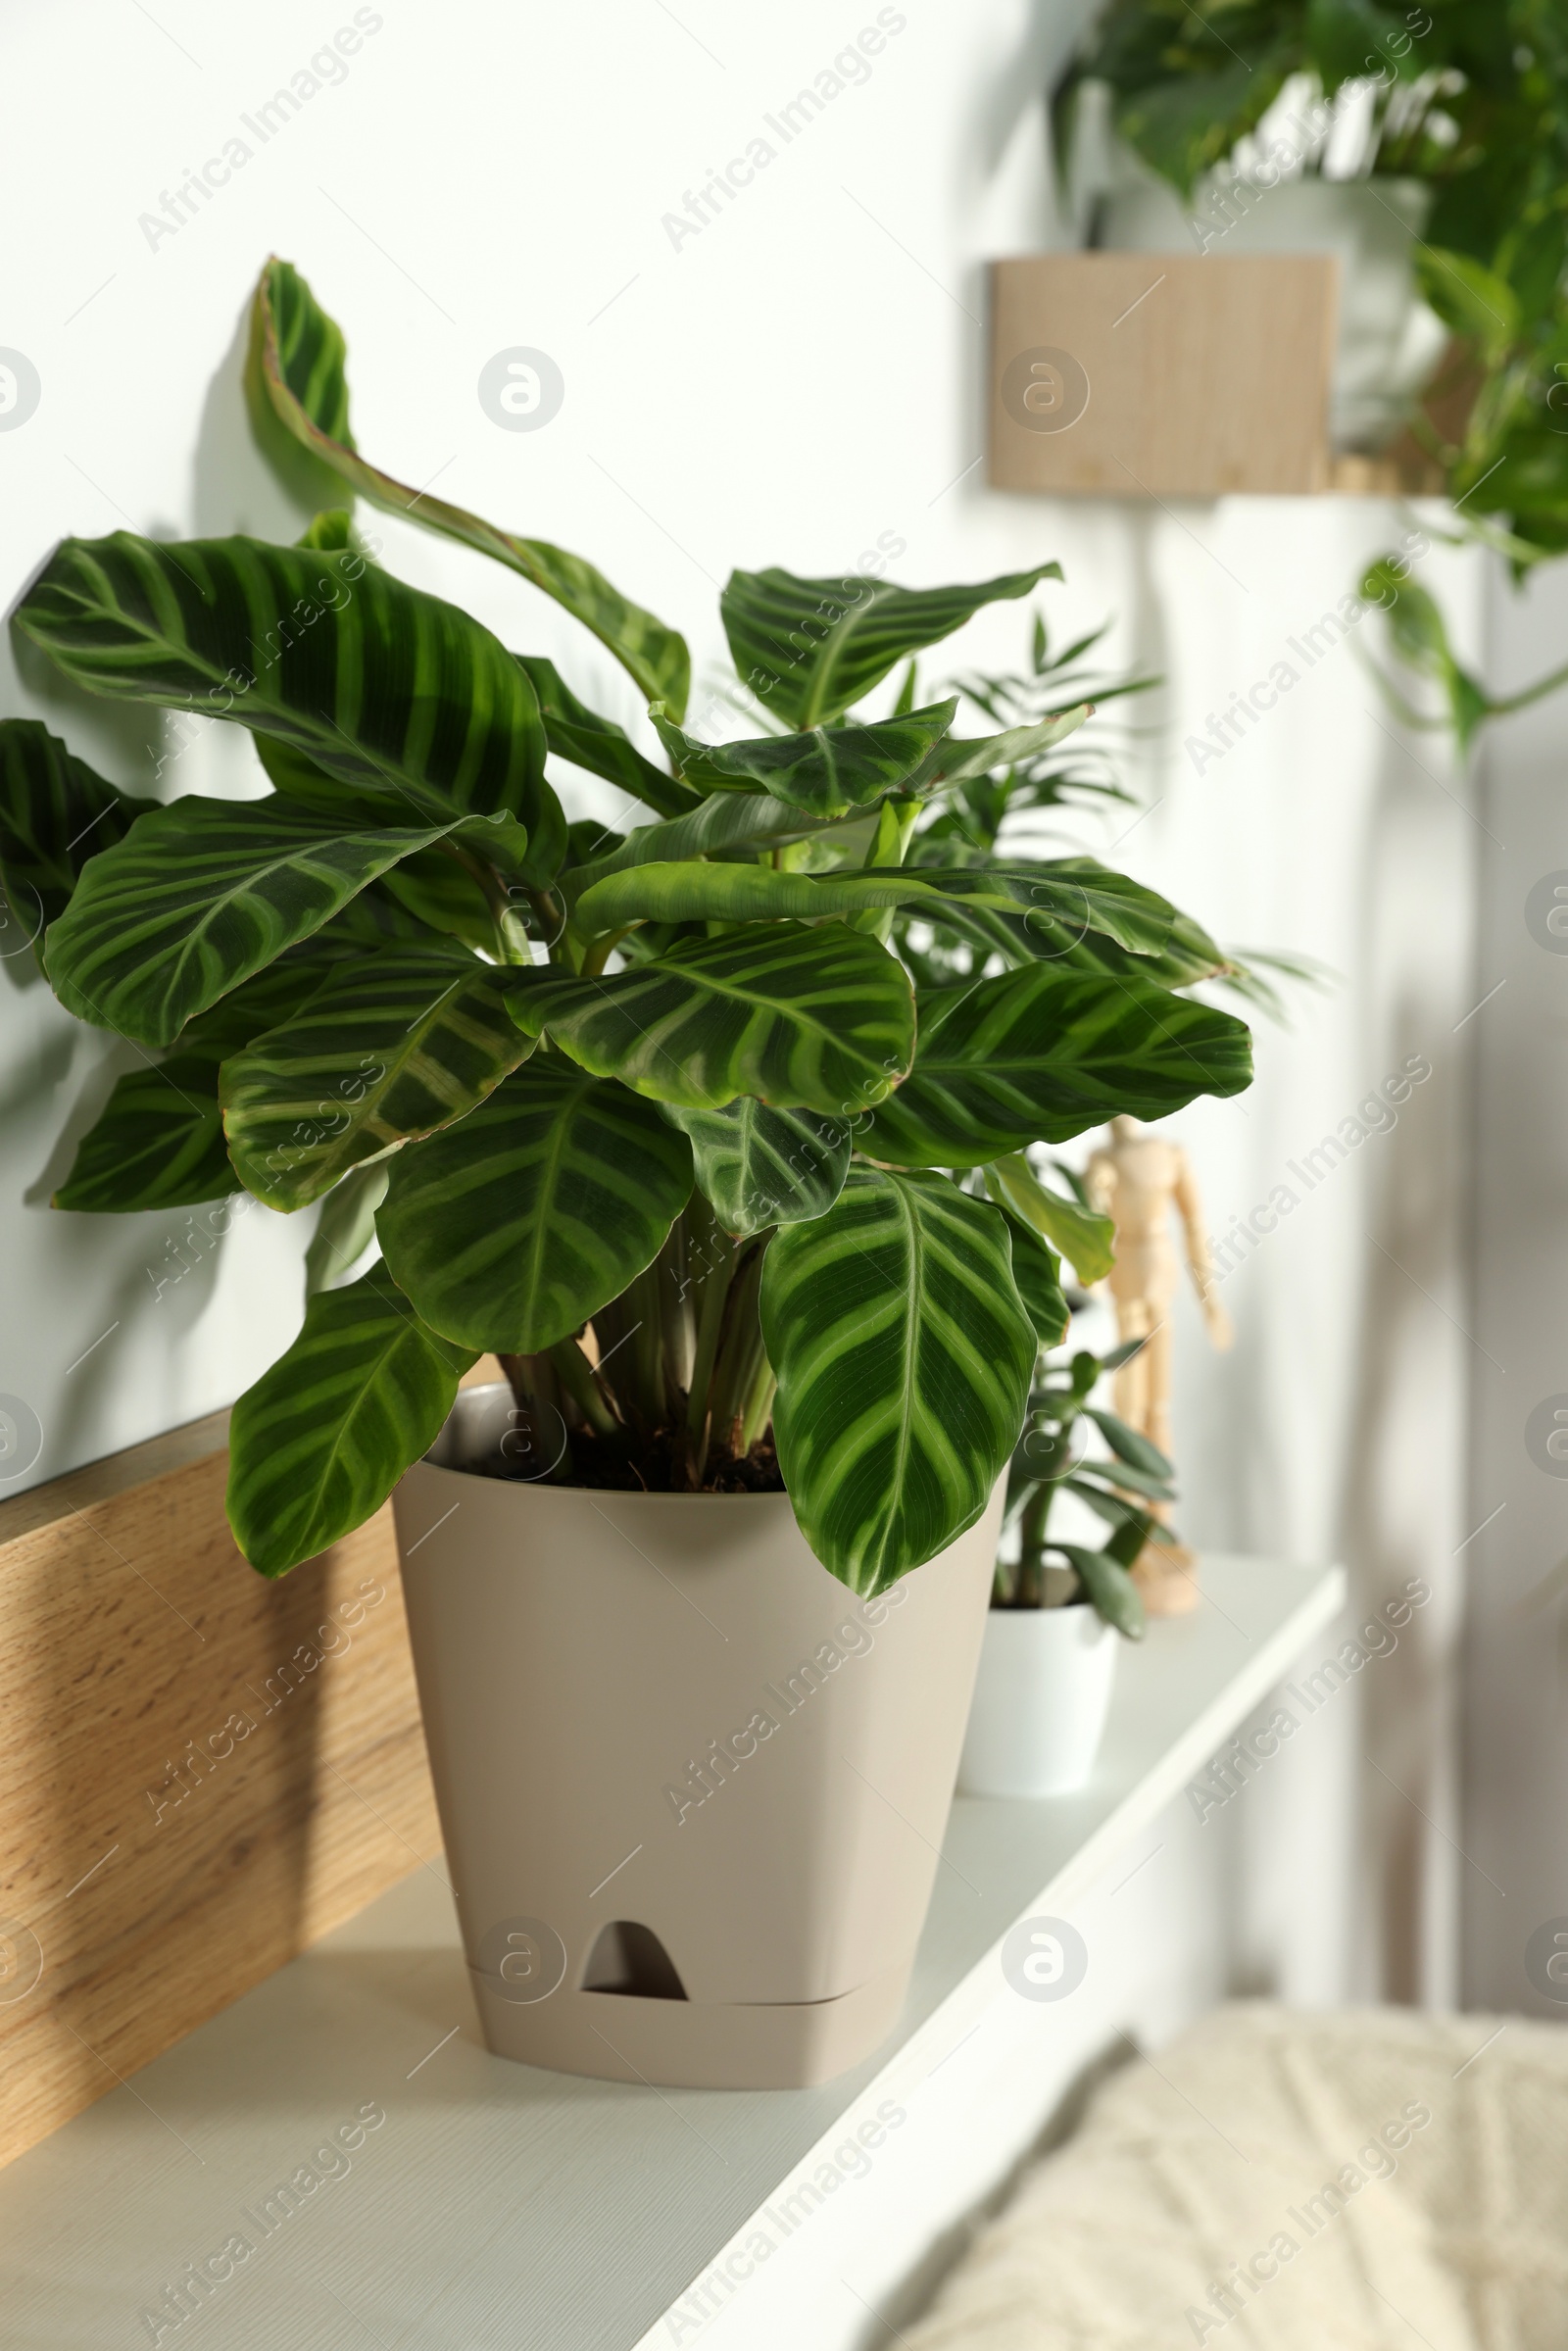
{"x":660,"y":1118}
{"x":1469,"y":97}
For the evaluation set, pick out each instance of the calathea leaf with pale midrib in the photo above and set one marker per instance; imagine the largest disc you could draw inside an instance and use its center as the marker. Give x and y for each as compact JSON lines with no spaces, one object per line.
{"x":809,"y":648}
{"x":904,"y":1355}
{"x":812,"y":1020}
{"x":576,"y":733}
{"x":323,"y":1438}
{"x":510,"y":1230}
{"x":158,"y":1143}
{"x":203,"y":892}
{"x":1047,"y":903}
{"x":297,"y":367}
{"x":827,"y":771}
{"x":387,"y":1049}
{"x":1039,"y":1055}
{"x":413,"y":707}
{"x":55,"y":814}
{"x":758,"y":1167}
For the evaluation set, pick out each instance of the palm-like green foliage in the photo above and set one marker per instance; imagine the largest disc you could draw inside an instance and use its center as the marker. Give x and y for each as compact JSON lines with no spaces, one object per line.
{"x":1123,"y":1484}
{"x":661,"y":1117}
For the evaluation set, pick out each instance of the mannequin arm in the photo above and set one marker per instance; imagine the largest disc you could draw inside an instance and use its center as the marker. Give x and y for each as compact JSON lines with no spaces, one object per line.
{"x":1199,"y":1264}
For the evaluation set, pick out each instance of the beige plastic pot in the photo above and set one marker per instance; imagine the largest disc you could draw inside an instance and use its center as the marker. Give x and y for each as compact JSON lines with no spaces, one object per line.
{"x":692,"y":1788}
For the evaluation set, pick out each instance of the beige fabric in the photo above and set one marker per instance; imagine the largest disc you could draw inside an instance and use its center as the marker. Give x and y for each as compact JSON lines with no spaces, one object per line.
{"x":1246,"y":2187}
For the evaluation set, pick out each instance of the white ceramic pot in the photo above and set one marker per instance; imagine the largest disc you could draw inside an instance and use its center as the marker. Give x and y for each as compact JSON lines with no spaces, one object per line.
{"x":1388,"y":343}
{"x":1040,"y":1701}
{"x":692,"y":1788}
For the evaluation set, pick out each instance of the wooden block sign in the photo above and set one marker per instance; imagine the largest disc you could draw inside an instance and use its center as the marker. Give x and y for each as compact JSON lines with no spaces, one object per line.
{"x":202,"y":1772}
{"x":1161,"y":374}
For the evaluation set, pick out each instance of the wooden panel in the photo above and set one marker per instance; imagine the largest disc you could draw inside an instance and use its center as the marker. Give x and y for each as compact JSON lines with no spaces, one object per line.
{"x":200,"y":1771}
{"x":1138,"y":375}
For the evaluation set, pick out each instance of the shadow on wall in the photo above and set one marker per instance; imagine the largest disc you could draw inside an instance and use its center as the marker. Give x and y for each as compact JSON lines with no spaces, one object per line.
{"x":1414,"y":1362}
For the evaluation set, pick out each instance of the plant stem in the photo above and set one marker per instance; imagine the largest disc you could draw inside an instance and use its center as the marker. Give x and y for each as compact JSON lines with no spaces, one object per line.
{"x":740,"y":1351}
{"x":576,"y":1375}
{"x":709,"y":1323}
{"x":602,"y":948}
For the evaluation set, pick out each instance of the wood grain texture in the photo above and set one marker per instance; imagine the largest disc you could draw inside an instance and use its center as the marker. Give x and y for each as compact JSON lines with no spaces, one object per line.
{"x":1201,"y":375}
{"x":202,"y":1772}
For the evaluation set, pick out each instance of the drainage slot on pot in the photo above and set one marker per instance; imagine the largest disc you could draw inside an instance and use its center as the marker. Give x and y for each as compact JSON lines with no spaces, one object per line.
{"x":630,"y":1958}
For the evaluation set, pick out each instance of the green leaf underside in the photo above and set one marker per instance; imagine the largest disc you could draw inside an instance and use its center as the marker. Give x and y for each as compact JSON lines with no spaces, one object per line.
{"x":729,"y":821}
{"x":961,"y":758}
{"x":390,"y":1048}
{"x":1088,"y":1242}
{"x":510,"y":1230}
{"x":809,"y":648}
{"x":202,"y":894}
{"x":415,"y":708}
{"x":323,"y":1438}
{"x":1037,"y":1272}
{"x":758,"y":1167}
{"x":1051,"y":904}
{"x":1039,"y":1054}
{"x":158,"y":1143}
{"x":904,"y":1355}
{"x":55,"y":814}
{"x":827,"y":771}
{"x":345,"y":1228}
{"x":287,"y":318}
{"x":812,"y":1020}
{"x":576,"y":733}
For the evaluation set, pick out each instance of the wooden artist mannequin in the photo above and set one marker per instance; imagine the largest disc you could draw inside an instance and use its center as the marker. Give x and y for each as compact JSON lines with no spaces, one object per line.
{"x":1137,"y":1180}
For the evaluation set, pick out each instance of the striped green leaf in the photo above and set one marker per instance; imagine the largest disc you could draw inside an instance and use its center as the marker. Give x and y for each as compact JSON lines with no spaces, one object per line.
{"x":1049,"y":904}
{"x":1037,"y":1055}
{"x":203,"y":892}
{"x":809,"y":648}
{"x":1087,"y":1241}
{"x":260,"y":1003}
{"x":827,"y":771}
{"x":510,"y":1230}
{"x":575,"y":732}
{"x":1084,"y":916}
{"x":758,"y":1167}
{"x":810,"y":1019}
{"x":323,"y":1438}
{"x":415,"y":710}
{"x":387,"y":1049}
{"x":158,"y":1143}
{"x":904,"y":1356}
{"x":298,"y":364}
{"x":55,"y":814}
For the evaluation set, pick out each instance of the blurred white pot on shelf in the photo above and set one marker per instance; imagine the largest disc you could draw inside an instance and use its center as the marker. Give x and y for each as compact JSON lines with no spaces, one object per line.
{"x":1040,"y":1701}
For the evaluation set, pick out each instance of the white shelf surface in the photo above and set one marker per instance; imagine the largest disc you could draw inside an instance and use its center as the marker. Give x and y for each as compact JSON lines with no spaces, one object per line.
{"x":500,"y":2206}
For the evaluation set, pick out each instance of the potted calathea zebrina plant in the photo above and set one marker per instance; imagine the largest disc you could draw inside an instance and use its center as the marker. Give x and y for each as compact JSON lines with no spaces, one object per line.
{"x":658,"y":1116}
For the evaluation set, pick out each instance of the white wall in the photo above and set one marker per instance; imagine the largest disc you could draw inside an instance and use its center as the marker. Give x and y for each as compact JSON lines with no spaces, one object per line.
{"x":787,"y":385}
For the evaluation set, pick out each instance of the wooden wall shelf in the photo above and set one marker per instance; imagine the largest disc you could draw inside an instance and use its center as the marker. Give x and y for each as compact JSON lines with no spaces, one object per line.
{"x":202,"y":1772}
{"x":1173,"y":375}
